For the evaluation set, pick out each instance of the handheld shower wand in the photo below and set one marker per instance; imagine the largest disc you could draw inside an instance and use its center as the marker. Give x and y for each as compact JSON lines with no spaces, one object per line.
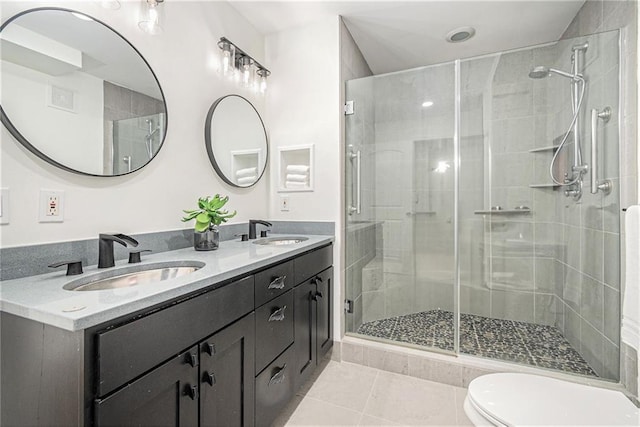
{"x":578,"y":86}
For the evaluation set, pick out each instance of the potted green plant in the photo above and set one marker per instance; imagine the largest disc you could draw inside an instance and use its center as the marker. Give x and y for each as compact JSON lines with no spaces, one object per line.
{"x":208,"y":216}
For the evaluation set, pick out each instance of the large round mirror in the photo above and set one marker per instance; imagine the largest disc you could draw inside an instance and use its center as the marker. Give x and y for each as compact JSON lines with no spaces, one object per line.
{"x":78,"y":95}
{"x":236,"y":141}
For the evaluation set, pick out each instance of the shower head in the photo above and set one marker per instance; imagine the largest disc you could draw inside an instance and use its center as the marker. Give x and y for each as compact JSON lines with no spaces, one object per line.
{"x":540,"y":72}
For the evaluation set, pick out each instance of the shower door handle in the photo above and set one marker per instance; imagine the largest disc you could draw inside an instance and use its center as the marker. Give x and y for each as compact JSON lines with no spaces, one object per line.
{"x":604,"y":185}
{"x":127,"y":160}
{"x":357,"y":206}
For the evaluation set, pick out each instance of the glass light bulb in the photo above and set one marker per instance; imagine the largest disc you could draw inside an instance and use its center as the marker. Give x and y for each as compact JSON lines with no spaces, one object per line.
{"x":226,"y":62}
{"x":150,"y":18}
{"x":263,"y":84}
{"x":246,"y":75}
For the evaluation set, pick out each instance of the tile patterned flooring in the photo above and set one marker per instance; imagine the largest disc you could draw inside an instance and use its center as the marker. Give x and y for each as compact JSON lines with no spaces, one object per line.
{"x":520,"y":342}
{"x":347,"y":394}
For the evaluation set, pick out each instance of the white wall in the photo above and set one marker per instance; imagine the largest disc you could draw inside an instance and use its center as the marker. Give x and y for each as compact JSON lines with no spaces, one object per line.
{"x":303,"y":107}
{"x":151,"y":199}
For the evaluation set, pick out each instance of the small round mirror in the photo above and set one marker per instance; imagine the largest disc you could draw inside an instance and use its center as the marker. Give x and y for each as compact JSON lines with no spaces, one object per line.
{"x":78,"y":95}
{"x":236,"y":141}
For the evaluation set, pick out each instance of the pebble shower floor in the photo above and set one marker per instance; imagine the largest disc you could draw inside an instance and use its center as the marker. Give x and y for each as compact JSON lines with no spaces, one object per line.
{"x":528,"y":343}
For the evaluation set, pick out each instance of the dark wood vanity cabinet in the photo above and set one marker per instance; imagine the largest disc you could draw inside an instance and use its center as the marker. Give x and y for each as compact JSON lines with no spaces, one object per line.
{"x":166,"y":396}
{"x":226,"y":376}
{"x":230,"y":355}
{"x":313,"y":323}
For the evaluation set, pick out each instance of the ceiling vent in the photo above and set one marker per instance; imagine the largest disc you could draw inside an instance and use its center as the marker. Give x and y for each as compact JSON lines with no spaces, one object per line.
{"x":460,"y":34}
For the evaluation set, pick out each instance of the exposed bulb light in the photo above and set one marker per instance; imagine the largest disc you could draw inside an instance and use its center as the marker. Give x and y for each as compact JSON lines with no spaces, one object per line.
{"x":245,"y":63}
{"x":227,"y":59}
{"x":242,"y":68}
{"x":427,"y":104}
{"x":442,"y":167}
{"x":150,"y":17}
{"x":262,"y":79}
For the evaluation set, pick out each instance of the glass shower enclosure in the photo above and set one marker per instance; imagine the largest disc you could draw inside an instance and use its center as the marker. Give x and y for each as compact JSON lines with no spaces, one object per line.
{"x":457,"y":239}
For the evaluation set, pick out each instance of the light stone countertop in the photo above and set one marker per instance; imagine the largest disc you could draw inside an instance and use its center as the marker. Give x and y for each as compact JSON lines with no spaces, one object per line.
{"x":43,"y":299}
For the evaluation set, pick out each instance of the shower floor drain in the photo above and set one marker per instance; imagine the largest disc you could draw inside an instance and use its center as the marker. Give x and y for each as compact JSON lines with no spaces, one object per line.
{"x":520,"y":342}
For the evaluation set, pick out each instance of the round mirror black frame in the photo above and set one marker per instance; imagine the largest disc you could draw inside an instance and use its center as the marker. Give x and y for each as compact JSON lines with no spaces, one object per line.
{"x":22,"y":140}
{"x":209,"y":146}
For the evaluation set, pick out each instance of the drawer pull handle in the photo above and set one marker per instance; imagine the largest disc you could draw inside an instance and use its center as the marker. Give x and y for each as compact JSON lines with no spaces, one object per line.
{"x":209,"y":378}
{"x":278,"y":377}
{"x":192,"y":359}
{"x":210,"y":349}
{"x":191,"y":391}
{"x":278,"y":315}
{"x":277,"y":283}
{"x":316,"y":280}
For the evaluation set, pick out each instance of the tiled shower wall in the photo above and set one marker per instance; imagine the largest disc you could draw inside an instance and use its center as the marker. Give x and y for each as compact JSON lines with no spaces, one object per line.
{"x":597,"y":16}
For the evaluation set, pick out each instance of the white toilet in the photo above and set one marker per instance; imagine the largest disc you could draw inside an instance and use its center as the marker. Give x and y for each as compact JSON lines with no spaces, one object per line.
{"x":530,"y":400}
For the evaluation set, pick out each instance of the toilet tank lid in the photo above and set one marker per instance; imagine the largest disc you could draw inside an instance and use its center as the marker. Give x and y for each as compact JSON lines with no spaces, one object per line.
{"x":525,"y":400}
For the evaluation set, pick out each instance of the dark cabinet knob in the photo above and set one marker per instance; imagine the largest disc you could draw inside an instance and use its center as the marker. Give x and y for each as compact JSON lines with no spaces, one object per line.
{"x":210,"y":349}
{"x":209,"y":378}
{"x":318,"y":295}
{"x":192,"y":359}
{"x":73,"y":267}
{"x":191,"y":391}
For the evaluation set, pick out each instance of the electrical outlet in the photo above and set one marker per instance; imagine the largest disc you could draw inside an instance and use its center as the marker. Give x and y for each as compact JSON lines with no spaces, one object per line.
{"x":284,"y":203}
{"x":4,"y":206}
{"x":51,"y":206}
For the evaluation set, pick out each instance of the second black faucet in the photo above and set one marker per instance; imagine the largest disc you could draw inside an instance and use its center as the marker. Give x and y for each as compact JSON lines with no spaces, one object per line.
{"x":252,"y":226}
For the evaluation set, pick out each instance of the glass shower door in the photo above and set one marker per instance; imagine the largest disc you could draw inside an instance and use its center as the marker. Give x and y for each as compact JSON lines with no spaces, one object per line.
{"x":400,"y":245}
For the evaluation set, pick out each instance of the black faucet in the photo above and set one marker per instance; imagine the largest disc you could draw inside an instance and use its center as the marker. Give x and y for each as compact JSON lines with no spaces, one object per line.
{"x":252,"y":226}
{"x":105,"y":247}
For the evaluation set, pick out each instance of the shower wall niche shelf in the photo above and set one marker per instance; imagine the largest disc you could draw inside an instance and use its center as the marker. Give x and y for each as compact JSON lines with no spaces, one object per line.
{"x":543,"y":149}
{"x":295,"y":168}
{"x":544,"y":185}
{"x":503,"y":211}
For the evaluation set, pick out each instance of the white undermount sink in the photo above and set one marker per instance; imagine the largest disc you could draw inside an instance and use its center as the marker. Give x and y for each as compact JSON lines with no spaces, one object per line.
{"x":137,"y":275}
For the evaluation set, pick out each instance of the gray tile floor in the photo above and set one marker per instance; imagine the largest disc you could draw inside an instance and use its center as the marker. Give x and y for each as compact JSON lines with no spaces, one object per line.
{"x":347,"y":394}
{"x":520,"y":342}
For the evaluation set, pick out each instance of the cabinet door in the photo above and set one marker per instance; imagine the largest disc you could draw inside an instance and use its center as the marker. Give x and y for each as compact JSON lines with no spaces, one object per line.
{"x":324,"y":318}
{"x":166,"y":396}
{"x":227,"y":376}
{"x":305,"y":331}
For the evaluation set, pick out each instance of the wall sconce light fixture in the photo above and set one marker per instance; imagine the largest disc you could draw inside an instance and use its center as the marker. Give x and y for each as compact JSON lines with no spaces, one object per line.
{"x":150,"y":18}
{"x":241,"y":67}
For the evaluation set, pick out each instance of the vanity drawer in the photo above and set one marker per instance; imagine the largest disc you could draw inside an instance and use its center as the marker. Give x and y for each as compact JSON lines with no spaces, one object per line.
{"x":133,"y":348}
{"x":273,"y":281}
{"x":274,"y":388}
{"x":308,"y":265}
{"x":274,"y":329}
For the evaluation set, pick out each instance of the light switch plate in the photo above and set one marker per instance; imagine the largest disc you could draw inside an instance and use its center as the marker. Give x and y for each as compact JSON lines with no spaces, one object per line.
{"x":284,"y":203}
{"x":4,"y":206}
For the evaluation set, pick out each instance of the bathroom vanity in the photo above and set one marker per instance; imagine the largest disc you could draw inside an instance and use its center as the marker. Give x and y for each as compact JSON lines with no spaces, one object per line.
{"x":227,"y":345}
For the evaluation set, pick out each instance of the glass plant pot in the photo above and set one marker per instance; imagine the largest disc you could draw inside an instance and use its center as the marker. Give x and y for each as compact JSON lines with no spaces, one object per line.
{"x":207,"y":240}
